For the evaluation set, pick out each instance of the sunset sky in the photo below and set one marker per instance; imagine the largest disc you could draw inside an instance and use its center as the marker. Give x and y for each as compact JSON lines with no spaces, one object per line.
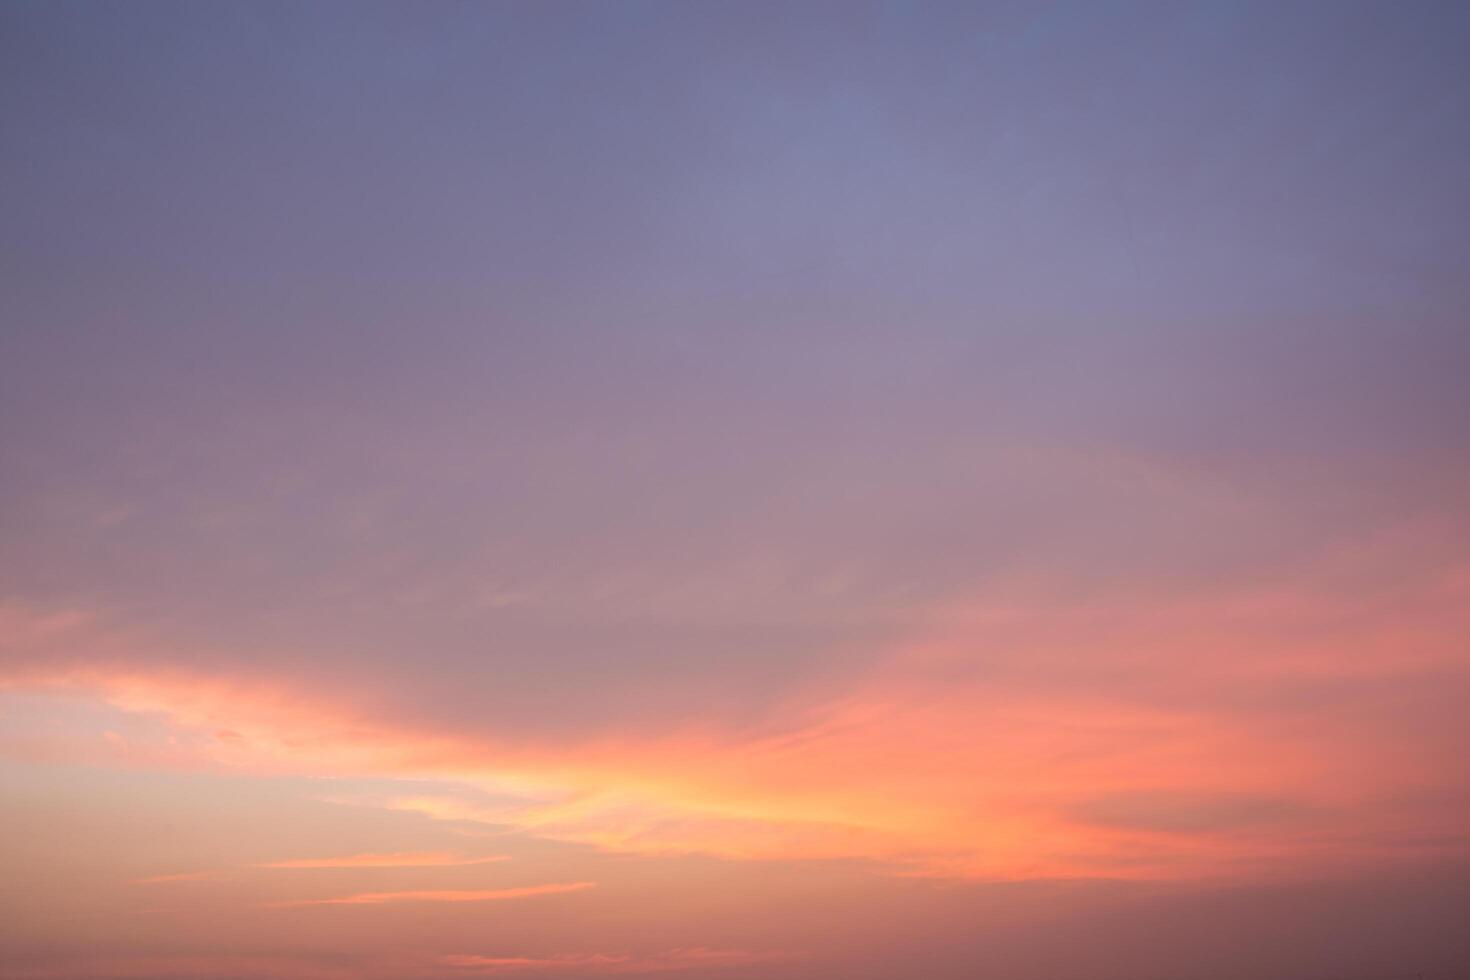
{"x":797,"y":491}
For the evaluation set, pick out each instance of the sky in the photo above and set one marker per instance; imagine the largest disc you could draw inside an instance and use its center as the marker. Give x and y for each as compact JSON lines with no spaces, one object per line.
{"x":800,"y":491}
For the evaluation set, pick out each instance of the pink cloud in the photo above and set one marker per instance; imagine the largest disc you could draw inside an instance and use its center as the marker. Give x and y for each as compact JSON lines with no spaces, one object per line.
{"x":624,"y":963}
{"x":433,"y":859}
{"x":479,"y":895}
{"x":1248,"y":732}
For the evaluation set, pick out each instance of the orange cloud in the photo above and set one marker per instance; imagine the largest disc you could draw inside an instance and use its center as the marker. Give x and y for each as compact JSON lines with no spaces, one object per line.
{"x":1025,"y":737}
{"x":493,"y":895}
{"x":434,"y":859}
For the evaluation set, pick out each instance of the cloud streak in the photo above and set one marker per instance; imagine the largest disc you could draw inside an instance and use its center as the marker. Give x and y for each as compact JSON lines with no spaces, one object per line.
{"x":692,"y":958}
{"x":441,"y":895}
{"x":407,"y":859}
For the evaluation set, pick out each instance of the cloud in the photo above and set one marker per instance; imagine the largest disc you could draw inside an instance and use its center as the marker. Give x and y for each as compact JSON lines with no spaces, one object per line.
{"x":1291,"y":725}
{"x":433,"y":859}
{"x":625,"y":963}
{"x":186,"y":967}
{"x":482,"y":895}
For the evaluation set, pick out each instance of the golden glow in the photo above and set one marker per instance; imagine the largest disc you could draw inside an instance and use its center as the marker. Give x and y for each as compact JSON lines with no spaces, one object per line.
{"x":1006,"y":740}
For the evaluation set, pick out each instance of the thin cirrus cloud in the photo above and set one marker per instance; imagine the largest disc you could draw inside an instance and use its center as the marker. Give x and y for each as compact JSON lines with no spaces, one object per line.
{"x":185,"y":967}
{"x":428,"y":859}
{"x":441,"y":895}
{"x":692,"y":958}
{"x":434,"y":859}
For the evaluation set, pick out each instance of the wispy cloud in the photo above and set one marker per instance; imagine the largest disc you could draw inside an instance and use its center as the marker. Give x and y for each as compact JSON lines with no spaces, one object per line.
{"x":186,"y":967}
{"x":670,"y":960}
{"x":482,"y":895}
{"x":426,"y":859}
